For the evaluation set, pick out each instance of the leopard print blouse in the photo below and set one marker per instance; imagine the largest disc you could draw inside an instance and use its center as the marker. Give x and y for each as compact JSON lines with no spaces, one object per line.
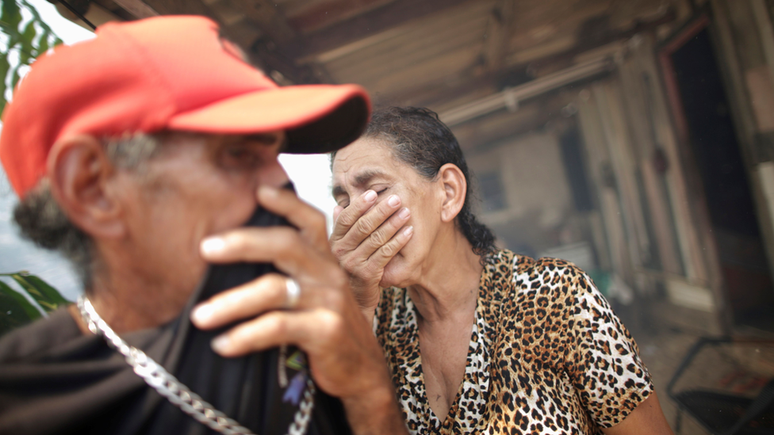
{"x":546,"y":355}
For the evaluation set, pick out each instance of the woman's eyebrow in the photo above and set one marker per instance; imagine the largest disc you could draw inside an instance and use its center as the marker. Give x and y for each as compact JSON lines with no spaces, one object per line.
{"x":361,"y":180}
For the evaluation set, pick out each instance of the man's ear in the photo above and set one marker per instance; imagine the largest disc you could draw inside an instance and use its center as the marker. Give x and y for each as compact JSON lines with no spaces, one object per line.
{"x":455,"y":188}
{"x":80,"y":174}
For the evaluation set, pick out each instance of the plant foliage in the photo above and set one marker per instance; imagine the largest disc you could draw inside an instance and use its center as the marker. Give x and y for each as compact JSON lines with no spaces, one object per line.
{"x":27,"y":39}
{"x":16,"y":310}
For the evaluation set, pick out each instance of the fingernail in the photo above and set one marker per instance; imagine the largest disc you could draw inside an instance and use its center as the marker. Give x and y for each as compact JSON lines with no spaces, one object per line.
{"x":408,"y":231}
{"x":220,"y":344}
{"x":393,"y":201}
{"x":369,"y":196}
{"x":202,"y":314}
{"x":213,"y":245}
{"x":404,"y":213}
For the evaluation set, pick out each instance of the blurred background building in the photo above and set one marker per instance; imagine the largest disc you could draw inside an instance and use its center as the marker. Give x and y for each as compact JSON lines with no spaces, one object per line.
{"x":633,"y":137}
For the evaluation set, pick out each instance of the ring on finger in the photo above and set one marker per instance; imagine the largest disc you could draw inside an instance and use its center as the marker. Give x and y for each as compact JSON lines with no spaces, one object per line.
{"x":293,"y":293}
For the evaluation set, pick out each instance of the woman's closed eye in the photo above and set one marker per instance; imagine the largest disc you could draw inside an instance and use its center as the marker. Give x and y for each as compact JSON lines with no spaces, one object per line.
{"x":379,"y":190}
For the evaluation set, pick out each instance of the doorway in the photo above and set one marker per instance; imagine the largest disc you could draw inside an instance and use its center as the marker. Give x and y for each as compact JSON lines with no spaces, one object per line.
{"x":707,"y":131}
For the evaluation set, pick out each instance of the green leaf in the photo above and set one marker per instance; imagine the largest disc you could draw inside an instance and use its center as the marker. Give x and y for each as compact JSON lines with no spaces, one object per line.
{"x":30,"y":310}
{"x":27,"y":40}
{"x":50,"y":293}
{"x":48,"y":298}
{"x":11,"y":315}
{"x":15,"y":309}
{"x":11,"y":13}
{"x":43,"y":42}
{"x":4,"y":68}
{"x":34,"y":13}
{"x":15,"y":77}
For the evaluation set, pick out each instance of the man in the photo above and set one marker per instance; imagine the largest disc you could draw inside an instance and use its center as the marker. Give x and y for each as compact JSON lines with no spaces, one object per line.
{"x":139,"y":155}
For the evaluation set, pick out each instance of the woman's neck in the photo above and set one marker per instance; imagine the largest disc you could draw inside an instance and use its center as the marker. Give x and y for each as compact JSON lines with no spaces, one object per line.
{"x":448,"y":288}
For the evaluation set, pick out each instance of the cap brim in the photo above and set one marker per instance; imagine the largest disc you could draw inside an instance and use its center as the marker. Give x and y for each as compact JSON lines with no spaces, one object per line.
{"x":316,"y":118}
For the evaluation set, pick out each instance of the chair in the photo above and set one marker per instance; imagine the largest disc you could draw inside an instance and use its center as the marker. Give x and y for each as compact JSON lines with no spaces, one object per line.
{"x":724,"y":413}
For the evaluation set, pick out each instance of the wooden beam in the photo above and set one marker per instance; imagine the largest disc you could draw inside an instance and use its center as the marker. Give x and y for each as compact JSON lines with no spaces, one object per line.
{"x":181,"y":7}
{"x":265,"y":15}
{"x":318,"y":15}
{"x":364,"y":25}
{"x":445,"y":90}
{"x":282,"y":69}
{"x":498,"y":35}
{"x":137,"y":8}
{"x":477,"y":136}
{"x":442,"y":91}
{"x":259,"y":28}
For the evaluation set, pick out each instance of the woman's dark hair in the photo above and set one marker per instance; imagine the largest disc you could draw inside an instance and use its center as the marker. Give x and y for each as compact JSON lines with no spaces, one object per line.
{"x":418,"y":138}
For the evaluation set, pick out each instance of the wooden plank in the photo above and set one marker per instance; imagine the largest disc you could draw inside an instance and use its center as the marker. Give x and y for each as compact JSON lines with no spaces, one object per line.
{"x":436,"y":93}
{"x":181,"y":7}
{"x":364,"y":25}
{"x":318,"y":15}
{"x":479,"y":135}
{"x":258,"y":27}
{"x":465,"y":19}
{"x":382,"y":59}
{"x":137,"y":8}
{"x":268,"y":18}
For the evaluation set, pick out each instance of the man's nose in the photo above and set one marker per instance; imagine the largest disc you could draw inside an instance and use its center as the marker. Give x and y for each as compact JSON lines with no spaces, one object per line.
{"x":273,"y":174}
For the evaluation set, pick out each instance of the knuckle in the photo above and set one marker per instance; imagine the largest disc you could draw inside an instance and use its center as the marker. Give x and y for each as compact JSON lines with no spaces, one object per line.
{"x":317,"y":220}
{"x":378,"y":238}
{"x":389,"y":249}
{"x":346,"y":218}
{"x":331,"y":324}
{"x":339,"y":251}
{"x":363,"y":225}
{"x":237,"y":243}
{"x":279,"y":325}
{"x":350,"y":265}
{"x":287,"y":243}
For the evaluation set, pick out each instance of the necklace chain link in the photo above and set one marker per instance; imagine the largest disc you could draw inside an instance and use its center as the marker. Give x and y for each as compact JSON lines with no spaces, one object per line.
{"x":176,"y":392}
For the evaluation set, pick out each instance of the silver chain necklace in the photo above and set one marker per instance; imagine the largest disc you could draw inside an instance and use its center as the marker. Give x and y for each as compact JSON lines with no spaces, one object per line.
{"x":181,"y":396}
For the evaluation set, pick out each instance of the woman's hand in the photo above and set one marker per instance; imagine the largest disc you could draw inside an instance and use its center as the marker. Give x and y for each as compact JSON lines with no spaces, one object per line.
{"x":366,"y":236}
{"x":345,"y":359}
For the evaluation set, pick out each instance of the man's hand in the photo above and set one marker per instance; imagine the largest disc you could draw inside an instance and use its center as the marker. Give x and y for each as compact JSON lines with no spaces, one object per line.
{"x":366,"y":236}
{"x":345,"y":359}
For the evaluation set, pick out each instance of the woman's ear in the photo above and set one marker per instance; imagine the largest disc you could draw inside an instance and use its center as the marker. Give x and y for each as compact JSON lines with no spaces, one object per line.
{"x":80,"y":174}
{"x":455,"y":187}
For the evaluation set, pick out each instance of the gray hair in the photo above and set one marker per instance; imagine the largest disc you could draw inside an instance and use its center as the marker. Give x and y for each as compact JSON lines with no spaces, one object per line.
{"x":43,"y":222}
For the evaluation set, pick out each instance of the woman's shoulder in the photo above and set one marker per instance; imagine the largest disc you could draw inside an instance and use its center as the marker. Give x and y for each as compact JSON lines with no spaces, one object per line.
{"x":546,"y":282}
{"x":529,"y":273}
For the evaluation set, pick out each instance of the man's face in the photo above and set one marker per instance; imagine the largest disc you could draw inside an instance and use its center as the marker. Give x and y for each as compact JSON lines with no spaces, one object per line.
{"x":196,"y":186}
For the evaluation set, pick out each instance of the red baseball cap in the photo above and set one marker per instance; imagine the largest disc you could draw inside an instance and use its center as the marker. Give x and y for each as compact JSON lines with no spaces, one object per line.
{"x":171,"y":72}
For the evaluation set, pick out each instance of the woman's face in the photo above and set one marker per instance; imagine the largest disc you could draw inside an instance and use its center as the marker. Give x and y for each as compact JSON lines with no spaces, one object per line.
{"x":368,"y":164}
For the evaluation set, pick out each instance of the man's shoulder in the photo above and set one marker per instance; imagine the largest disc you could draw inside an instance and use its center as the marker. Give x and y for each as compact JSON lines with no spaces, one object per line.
{"x":41,"y":337}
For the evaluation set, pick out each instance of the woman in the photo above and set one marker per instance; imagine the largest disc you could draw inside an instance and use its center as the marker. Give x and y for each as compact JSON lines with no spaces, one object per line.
{"x":479,"y":340}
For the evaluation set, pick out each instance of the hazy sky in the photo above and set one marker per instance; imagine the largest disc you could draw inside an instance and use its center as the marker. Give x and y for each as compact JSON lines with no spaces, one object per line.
{"x":310,"y":174}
